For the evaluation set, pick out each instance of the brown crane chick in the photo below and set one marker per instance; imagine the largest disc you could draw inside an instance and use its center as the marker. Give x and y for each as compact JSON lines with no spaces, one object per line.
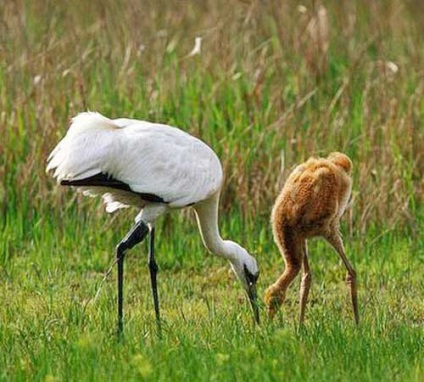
{"x":311,"y":203}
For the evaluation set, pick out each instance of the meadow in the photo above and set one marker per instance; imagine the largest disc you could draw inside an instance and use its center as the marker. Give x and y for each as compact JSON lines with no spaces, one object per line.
{"x":274,"y":83}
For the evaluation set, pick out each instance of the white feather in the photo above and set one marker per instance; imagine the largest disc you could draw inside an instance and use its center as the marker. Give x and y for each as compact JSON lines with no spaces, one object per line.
{"x":151,"y":158}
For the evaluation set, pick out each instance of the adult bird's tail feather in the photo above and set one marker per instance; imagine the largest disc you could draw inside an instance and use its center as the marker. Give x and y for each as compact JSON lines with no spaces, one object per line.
{"x":83,"y":151}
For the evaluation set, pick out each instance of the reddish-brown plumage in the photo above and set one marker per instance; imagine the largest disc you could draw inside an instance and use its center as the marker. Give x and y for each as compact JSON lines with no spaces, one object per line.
{"x":311,"y":203}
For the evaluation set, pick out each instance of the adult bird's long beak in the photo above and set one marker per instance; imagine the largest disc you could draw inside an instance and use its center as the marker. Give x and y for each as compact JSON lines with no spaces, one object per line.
{"x":251,"y":293}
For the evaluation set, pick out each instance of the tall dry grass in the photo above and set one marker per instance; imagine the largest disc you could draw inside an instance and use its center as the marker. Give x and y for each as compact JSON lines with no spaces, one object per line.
{"x":275,"y":82}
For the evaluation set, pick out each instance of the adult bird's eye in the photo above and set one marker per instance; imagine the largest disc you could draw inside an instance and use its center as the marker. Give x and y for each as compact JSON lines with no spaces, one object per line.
{"x":250,"y":277}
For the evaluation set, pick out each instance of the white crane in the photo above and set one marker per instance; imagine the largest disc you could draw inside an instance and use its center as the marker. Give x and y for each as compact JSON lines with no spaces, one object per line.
{"x":155,"y":168}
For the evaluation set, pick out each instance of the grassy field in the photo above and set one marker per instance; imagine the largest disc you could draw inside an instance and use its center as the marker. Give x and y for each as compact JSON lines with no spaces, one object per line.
{"x":266,"y":93}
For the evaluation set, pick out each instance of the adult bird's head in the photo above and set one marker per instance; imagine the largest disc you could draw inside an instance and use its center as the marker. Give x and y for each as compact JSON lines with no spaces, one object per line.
{"x":247,"y":271}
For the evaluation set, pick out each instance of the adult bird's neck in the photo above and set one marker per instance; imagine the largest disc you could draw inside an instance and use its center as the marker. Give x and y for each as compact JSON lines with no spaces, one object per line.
{"x":207,"y":219}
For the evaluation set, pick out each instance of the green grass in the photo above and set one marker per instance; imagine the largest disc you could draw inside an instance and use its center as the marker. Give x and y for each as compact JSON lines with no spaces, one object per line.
{"x":53,"y":327}
{"x":257,"y":95}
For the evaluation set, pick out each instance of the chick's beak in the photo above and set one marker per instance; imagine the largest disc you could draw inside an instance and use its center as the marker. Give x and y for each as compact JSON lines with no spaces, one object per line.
{"x":251,"y":293}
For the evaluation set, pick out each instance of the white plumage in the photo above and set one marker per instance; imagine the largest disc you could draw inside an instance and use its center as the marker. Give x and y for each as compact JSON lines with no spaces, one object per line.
{"x":151,"y":158}
{"x":153,"y":167}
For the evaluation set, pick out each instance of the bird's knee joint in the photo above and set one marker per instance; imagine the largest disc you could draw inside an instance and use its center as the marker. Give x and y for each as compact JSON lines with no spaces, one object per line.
{"x":120,"y":249}
{"x":295,"y":268}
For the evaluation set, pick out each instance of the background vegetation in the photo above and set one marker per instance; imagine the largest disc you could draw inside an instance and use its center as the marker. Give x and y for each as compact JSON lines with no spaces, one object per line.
{"x":273,"y":83}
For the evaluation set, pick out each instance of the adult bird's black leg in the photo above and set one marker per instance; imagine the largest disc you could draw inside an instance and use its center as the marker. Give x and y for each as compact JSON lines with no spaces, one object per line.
{"x":153,"y":267}
{"x":136,"y":235}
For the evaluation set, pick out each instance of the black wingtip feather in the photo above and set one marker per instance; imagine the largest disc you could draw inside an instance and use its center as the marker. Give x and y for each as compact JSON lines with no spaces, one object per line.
{"x":104,"y":180}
